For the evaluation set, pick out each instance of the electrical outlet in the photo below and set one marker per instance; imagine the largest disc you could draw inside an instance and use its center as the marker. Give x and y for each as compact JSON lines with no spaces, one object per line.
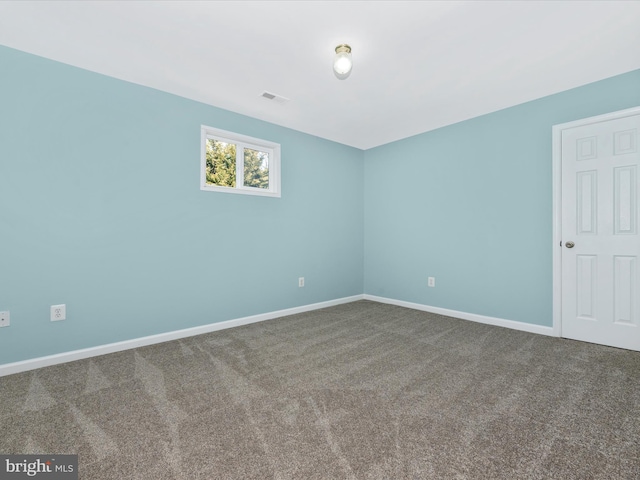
{"x":301,"y":282}
{"x":4,"y":319}
{"x":58,"y":312}
{"x":431,"y":282}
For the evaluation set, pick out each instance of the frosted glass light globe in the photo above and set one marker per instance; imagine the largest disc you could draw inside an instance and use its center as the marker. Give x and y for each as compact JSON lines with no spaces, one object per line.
{"x":343,"y":63}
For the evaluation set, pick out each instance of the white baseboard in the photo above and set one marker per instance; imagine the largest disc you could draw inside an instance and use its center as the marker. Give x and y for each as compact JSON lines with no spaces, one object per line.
{"x":499,"y":322}
{"x":32,"y":364}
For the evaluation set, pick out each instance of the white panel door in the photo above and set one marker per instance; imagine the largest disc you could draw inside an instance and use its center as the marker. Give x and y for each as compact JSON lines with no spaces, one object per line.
{"x":600,"y":243}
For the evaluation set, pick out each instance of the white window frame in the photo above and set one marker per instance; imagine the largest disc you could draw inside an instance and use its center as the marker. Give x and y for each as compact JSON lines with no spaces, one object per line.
{"x":241,"y":142}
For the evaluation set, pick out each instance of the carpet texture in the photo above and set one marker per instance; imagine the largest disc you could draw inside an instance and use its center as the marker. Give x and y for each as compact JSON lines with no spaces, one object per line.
{"x":357,"y":391}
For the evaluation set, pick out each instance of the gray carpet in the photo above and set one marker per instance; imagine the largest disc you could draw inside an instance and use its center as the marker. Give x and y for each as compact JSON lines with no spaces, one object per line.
{"x":361,"y":390}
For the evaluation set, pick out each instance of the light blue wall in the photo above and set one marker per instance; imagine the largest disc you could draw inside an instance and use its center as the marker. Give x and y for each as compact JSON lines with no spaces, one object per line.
{"x":471,"y":205}
{"x":100,"y":209}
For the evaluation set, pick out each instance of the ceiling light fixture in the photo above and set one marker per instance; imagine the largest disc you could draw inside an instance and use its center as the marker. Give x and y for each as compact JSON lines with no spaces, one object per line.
{"x":342,"y":63}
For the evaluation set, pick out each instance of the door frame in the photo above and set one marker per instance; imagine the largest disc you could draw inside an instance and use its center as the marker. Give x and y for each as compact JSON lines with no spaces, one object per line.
{"x":557,"y":202}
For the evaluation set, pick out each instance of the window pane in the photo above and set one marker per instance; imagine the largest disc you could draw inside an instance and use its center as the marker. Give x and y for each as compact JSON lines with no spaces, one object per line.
{"x":256,"y":168}
{"x":235,"y":163}
{"x":221,"y":163}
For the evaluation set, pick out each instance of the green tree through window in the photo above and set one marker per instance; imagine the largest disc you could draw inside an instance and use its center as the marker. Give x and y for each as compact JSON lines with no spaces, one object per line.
{"x":221,"y":163}
{"x":256,"y":168}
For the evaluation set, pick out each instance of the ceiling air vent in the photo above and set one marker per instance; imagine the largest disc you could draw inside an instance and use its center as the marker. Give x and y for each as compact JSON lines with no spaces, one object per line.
{"x":275,"y":98}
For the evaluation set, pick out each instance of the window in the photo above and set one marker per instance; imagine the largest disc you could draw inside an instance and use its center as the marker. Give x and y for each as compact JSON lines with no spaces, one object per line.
{"x":235,"y":163}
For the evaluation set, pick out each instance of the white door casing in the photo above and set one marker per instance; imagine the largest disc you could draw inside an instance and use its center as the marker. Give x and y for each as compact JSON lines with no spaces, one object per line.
{"x":597,"y":207}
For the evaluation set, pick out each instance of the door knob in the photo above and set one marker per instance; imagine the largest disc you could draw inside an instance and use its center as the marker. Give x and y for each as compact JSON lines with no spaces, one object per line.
{"x":570,"y":244}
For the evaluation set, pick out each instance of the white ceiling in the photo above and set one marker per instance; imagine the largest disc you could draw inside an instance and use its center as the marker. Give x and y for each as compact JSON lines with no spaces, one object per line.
{"x":417,"y":65}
